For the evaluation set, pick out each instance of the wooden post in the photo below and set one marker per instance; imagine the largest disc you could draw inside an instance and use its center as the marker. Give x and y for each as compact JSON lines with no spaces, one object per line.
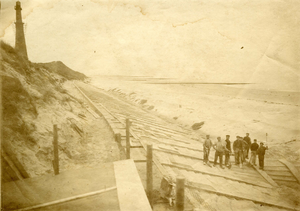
{"x":180,"y":193}
{"x":149,"y":173}
{"x":55,"y":149}
{"x":118,"y":138}
{"x":127,"y":139}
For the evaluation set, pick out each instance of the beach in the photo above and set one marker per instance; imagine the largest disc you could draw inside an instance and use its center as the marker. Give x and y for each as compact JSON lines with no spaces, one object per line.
{"x":270,"y":116}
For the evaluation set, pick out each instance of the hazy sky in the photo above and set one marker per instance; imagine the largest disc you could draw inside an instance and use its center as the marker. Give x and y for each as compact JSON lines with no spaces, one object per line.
{"x":212,"y":40}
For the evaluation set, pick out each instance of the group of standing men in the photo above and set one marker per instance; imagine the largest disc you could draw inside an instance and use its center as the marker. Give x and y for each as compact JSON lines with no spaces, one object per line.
{"x":241,"y":148}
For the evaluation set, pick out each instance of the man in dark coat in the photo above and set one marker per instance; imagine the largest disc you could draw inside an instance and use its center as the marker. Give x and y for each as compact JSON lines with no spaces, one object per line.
{"x":245,"y":149}
{"x":236,"y":150}
{"x":227,"y":150}
{"x":240,"y":148}
{"x":248,"y":141}
{"x":261,"y":155}
{"x":254,"y":146}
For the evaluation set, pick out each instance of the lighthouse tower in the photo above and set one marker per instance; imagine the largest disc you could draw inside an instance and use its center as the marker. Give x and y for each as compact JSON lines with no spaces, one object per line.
{"x":20,"y":44}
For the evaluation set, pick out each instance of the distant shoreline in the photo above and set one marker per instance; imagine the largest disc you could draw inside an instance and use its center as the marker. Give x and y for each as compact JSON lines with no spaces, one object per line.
{"x":176,"y":82}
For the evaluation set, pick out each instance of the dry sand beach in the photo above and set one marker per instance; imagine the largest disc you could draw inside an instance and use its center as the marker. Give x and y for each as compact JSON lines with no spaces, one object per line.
{"x":225,"y":109}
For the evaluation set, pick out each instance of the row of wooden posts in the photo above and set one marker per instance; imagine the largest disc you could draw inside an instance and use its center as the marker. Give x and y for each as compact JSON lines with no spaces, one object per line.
{"x":180,"y":181}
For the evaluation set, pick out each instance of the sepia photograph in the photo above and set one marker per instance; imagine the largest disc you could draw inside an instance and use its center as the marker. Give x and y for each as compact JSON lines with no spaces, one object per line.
{"x":150,"y":105}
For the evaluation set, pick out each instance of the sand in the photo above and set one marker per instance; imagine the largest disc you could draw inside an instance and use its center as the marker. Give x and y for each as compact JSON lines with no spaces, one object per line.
{"x":270,"y":116}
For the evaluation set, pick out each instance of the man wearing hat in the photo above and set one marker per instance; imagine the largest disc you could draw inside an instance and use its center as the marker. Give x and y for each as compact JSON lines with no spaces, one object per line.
{"x":254,"y":146}
{"x":239,"y":147}
{"x":206,"y":149}
{"x":247,"y":139}
{"x":220,"y":148}
{"x":261,"y":155}
{"x":236,"y":150}
{"x":227,"y":151}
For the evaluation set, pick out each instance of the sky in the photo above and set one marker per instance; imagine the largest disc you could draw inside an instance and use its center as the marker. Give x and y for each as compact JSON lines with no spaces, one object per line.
{"x":217,"y":41}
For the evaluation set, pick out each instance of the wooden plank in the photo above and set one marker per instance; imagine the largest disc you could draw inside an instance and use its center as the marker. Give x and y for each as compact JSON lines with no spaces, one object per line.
{"x":186,"y":161}
{"x":176,"y":153}
{"x":178,"y":172}
{"x":280,"y":173}
{"x":47,"y":188}
{"x":177,"y":145}
{"x":145,"y":119}
{"x":86,"y":97}
{"x":276,"y":161}
{"x":287,"y":183}
{"x":276,"y":168}
{"x":284,"y":178}
{"x":234,"y":203}
{"x":11,"y":157}
{"x":129,"y":185}
{"x":256,"y":183}
{"x":140,"y":161}
{"x":181,"y":140}
{"x":104,"y":110}
{"x":249,"y":173}
{"x":9,"y":170}
{"x":223,"y":201}
{"x":116,"y":124}
{"x":292,"y":168}
{"x":67,"y":199}
{"x":93,"y":113}
{"x":196,"y":177}
{"x":183,"y":172}
{"x":172,"y":140}
{"x":273,"y":163}
{"x":239,"y":189}
{"x":244,"y":172}
{"x":176,"y":162}
{"x":248,"y":177}
{"x":160,"y":127}
{"x":133,"y":117}
{"x":266,"y":176}
{"x":198,"y":201}
{"x":258,"y":200}
{"x":160,"y":131}
{"x":170,"y":172}
{"x":171,"y":158}
{"x":199,"y":186}
{"x":137,"y":146}
{"x":166,"y":148}
{"x":153,"y":123}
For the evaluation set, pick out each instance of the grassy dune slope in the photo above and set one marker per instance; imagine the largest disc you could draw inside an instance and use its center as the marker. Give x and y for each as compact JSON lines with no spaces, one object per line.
{"x":36,"y":96}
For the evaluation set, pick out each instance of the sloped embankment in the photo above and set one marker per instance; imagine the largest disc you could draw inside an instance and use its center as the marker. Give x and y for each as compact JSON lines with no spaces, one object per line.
{"x":36,"y":96}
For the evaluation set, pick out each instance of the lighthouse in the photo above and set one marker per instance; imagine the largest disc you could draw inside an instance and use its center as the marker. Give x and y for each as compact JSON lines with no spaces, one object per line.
{"x":20,"y":44}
